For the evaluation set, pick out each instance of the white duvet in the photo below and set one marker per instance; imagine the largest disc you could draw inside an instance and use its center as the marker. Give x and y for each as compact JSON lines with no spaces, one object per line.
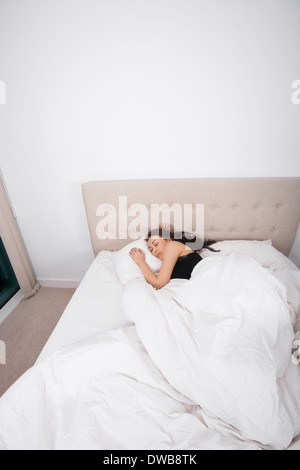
{"x":204,"y":364}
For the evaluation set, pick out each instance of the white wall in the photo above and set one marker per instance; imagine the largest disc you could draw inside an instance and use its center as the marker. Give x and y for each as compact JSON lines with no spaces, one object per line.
{"x":125,"y":89}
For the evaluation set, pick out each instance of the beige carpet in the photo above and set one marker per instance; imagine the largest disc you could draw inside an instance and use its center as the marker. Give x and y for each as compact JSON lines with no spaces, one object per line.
{"x":26,"y":330}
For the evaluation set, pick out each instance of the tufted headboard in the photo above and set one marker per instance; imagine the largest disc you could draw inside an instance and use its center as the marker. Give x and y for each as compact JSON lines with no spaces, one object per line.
{"x":234,"y":208}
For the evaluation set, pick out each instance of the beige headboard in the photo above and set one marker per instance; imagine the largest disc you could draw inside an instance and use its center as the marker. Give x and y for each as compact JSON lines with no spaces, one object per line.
{"x":234,"y":208}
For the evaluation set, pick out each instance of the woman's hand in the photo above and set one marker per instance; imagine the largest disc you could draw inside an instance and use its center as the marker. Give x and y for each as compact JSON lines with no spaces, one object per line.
{"x":137,"y":255}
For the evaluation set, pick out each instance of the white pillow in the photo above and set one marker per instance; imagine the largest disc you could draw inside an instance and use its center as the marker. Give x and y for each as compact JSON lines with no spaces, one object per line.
{"x":262,"y":251}
{"x":126,"y":269}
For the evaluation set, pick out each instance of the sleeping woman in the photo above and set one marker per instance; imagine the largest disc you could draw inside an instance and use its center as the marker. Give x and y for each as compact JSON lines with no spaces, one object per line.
{"x":176,"y":253}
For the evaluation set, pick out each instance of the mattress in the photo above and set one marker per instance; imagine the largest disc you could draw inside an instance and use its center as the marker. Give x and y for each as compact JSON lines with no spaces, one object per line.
{"x":114,"y":374}
{"x":94,"y":307}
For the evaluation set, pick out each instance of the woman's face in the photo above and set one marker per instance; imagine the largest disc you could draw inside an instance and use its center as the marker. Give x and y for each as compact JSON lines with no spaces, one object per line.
{"x":157,"y":246}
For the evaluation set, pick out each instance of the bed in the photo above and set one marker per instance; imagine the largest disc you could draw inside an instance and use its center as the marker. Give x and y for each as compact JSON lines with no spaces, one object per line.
{"x":209,"y":363}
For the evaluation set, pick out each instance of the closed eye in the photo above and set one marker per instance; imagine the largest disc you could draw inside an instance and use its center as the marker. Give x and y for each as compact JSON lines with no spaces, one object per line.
{"x":153,"y":244}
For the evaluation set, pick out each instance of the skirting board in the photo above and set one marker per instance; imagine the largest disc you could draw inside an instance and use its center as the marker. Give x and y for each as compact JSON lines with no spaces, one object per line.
{"x":59,"y":283}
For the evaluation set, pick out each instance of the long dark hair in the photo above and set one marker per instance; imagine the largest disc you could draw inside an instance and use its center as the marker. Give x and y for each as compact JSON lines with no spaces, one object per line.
{"x":189,"y":239}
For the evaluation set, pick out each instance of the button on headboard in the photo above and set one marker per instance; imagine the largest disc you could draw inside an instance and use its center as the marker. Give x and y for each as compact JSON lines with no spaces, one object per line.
{"x":234,"y":208}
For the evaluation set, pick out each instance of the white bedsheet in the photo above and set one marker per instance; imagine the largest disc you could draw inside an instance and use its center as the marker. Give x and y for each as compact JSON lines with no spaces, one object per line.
{"x":94,"y":307}
{"x":202,"y":367}
{"x":223,"y":339}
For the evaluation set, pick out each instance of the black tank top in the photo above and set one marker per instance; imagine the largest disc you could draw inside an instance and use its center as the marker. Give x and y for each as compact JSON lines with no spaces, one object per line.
{"x":185,"y":265}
